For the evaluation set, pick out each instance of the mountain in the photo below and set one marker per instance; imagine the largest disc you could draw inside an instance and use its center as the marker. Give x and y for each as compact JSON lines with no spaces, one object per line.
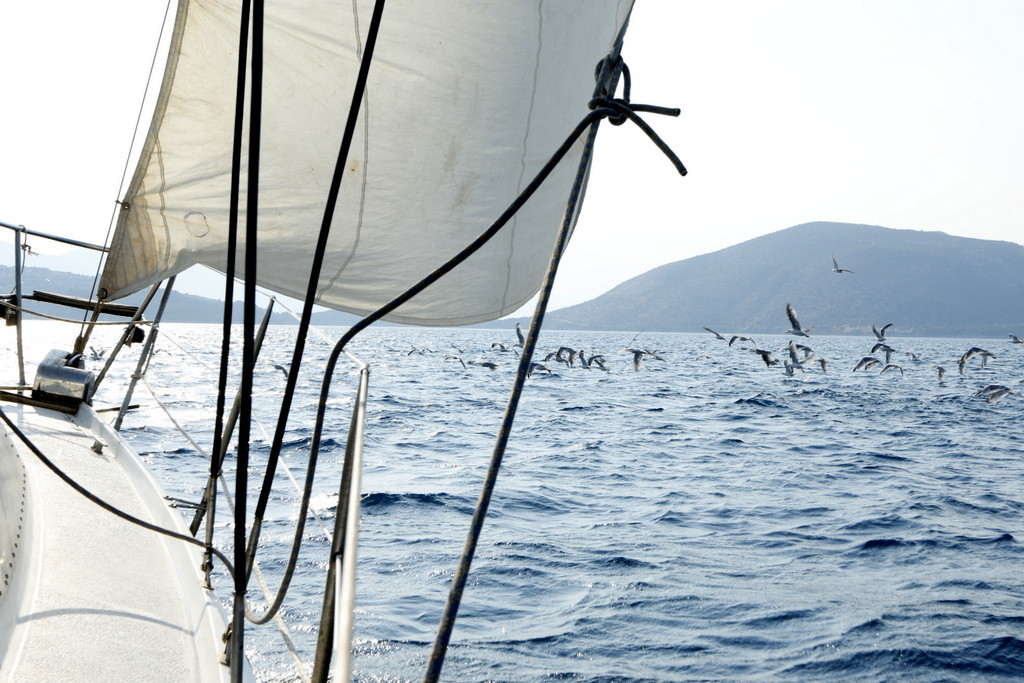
{"x":925,"y":283}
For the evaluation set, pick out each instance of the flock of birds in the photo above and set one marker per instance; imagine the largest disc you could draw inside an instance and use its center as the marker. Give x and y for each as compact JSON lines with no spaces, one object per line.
{"x":795,"y":357}
{"x":800,"y":356}
{"x":564,"y":355}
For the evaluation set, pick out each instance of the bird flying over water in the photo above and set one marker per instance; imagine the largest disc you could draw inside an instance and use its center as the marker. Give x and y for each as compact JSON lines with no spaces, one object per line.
{"x":971,"y":353}
{"x":885,"y":348}
{"x":1014,"y":339}
{"x":993,"y":392}
{"x":766,"y":356}
{"x":866,"y":363}
{"x":458,"y":358}
{"x":880,"y":333}
{"x":794,"y":361}
{"x":794,"y":323}
{"x":519,"y":333}
{"x":717,"y":336}
{"x":891,"y":366}
{"x":537,"y":367}
{"x":836,"y":268}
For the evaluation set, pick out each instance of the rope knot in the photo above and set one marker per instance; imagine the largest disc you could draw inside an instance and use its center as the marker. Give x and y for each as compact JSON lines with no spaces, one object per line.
{"x":618,"y":109}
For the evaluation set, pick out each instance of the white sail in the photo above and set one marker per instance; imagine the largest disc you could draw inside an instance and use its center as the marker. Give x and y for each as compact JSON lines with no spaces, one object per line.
{"x":465,"y":102}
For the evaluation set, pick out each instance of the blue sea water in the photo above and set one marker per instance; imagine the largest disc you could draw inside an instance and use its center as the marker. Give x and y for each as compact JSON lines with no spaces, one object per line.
{"x":702,"y":518}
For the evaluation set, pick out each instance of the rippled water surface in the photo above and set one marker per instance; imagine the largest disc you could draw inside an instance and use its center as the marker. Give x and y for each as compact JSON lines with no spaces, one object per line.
{"x":702,"y":518}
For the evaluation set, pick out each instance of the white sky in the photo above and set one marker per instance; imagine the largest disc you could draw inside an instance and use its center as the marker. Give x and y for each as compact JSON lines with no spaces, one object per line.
{"x":902,"y":113}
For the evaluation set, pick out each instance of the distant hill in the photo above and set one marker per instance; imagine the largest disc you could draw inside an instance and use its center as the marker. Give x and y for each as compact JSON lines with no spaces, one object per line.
{"x":925,"y":283}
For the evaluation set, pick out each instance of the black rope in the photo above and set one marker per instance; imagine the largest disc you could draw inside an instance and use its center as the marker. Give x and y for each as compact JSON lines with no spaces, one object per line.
{"x":451,"y":609}
{"x":277,"y":444}
{"x":592,"y":118}
{"x":102,"y":503}
{"x":248,"y":325}
{"x":219,"y":447}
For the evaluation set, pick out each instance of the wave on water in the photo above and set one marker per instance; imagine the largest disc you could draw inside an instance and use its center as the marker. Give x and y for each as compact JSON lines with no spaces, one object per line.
{"x":381,"y":503}
{"x":1001,"y":657}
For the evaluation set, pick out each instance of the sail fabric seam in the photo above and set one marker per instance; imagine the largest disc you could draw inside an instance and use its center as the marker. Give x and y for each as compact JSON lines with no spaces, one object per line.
{"x":522,"y":157}
{"x":366,"y":161}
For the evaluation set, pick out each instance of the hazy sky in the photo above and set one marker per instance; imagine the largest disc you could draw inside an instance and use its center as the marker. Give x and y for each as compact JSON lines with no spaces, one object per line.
{"x":906,"y":114}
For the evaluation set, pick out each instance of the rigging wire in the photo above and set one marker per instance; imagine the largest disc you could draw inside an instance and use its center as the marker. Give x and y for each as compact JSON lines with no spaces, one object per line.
{"x":118,"y":205}
{"x":447,"y":622}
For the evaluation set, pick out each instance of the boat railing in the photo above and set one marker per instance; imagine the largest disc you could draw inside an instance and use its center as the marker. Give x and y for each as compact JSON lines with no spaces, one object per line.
{"x":13,"y":314}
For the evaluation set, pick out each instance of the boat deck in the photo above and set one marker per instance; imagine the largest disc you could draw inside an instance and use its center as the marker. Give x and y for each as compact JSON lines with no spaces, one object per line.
{"x":94,"y":597}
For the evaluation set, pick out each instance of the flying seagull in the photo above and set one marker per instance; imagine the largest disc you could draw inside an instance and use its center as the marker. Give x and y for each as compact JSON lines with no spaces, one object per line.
{"x":794,"y":361}
{"x":717,"y":336}
{"x":993,"y":392}
{"x":891,"y":366}
{"x":880,"y":333}
{"x":519,"y":333}
{"x":971,"y":353}
{"x":458,"y":358}
{"x":836,"y":268}
{"x":794,"y":323}
{"x":537,"y":367}
{"x":882,"y":346}
{"x":866,"y":363}
{"x":766,"y":356}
